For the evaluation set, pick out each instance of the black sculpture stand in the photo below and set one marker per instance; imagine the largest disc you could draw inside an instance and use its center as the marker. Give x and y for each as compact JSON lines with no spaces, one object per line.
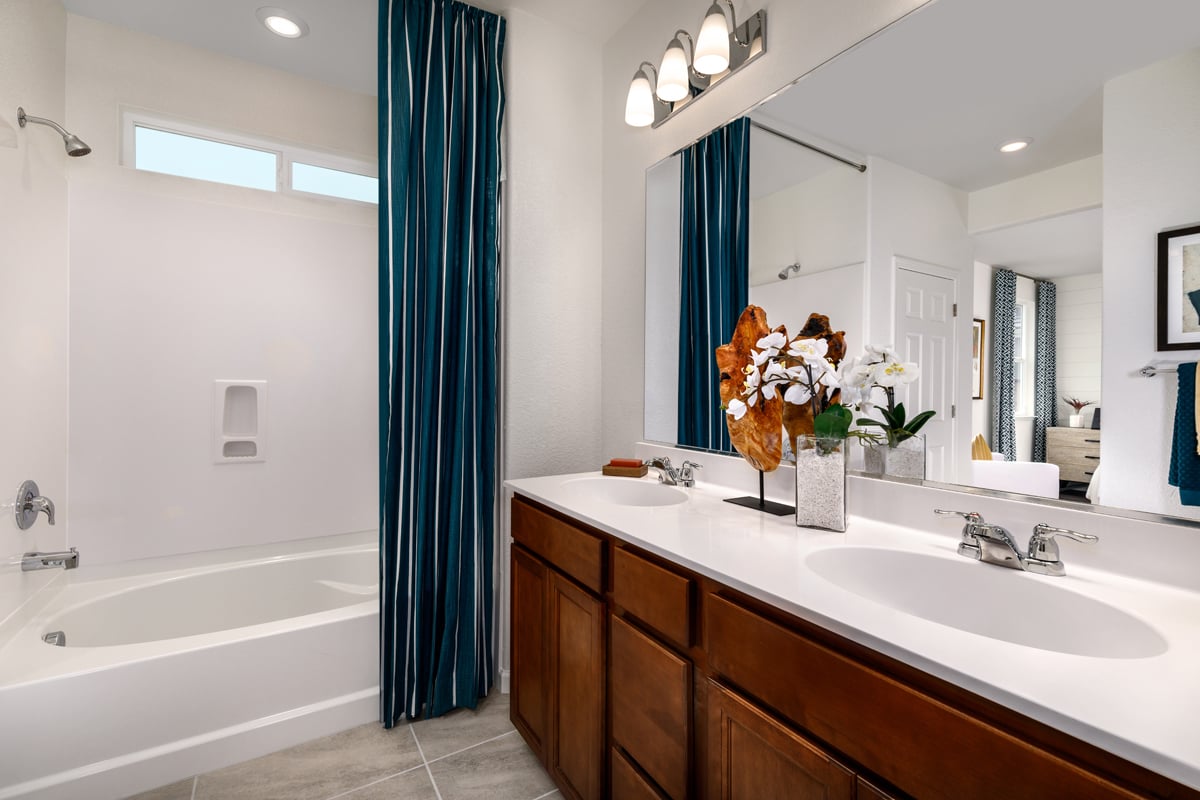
{"x":761,"y":503}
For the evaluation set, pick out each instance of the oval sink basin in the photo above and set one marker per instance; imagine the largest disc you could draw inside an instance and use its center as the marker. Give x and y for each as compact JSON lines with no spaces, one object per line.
{"x":627,"y":491}
{"x":990,"y":601}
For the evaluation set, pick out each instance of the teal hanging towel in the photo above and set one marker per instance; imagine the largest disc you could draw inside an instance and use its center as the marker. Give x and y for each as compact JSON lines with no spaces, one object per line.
{"x":1184,"y":470}
{"x":441,"y":105}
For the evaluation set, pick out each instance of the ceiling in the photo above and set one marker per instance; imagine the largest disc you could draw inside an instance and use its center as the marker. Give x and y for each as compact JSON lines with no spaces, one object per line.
{"x":1069,"y":244}
{"x":340,"y":48}
{"x":938,"y":91}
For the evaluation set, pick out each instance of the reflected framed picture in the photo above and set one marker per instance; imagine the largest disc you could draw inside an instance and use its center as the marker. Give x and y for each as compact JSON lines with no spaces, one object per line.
{"x":977,"y":359}
{"x":1179,"y":289}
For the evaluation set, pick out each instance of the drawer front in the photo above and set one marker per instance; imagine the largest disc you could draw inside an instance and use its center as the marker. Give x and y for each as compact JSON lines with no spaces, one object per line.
{"x":627,"y":783}
{"x":1077,"y":474}
{"x":651,"y":691}
{"x":656,"y":596}
{"x":567,"y":548}
{"x":1073,"y":437}
{"x":913,"y":741}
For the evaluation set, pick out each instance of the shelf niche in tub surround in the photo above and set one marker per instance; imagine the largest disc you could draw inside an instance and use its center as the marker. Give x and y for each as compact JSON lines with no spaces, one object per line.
{"x":1133,"y":708}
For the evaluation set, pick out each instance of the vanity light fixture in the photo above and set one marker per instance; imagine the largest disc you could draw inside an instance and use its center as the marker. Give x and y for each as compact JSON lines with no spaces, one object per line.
{"x":1014,"y":146}
{"x":282,"y":23}
{"x":722,"y":48}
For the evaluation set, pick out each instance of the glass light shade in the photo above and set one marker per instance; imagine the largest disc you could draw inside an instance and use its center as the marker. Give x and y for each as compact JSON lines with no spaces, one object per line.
{"x":639,"y":105}
{"x":712,"y":45}
{"x":673,"y":74}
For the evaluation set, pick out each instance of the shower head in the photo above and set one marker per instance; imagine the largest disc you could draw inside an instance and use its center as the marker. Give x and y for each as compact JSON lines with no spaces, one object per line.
{"x":75,"y":146}
{"x":788,"y":270}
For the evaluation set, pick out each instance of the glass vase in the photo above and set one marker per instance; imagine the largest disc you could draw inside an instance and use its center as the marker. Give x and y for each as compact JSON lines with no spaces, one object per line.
{"x":905,"y":460}
{"x":821,"y":483}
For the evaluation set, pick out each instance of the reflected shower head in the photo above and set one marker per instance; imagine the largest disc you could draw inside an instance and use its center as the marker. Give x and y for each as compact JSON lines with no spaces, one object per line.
{"x":788,"y":270}
{"x":75,"y":146}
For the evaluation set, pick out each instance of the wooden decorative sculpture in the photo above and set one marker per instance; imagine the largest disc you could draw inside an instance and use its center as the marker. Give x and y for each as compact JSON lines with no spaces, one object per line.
{"x":758,"y":435}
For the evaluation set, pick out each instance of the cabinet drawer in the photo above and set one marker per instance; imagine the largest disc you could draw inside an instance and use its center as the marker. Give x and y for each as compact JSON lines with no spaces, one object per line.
{"x":1075,"y":437}
{"x":656,"y":596}
{"x":567,"y":548}
{"x":627,"y":783}
{"x":651,"y":697}
{"x":1077,"y":474}
{"x":913,"y":741}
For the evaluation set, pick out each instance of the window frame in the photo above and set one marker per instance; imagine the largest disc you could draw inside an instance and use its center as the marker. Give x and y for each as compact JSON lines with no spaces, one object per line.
{"x":285,"y":153}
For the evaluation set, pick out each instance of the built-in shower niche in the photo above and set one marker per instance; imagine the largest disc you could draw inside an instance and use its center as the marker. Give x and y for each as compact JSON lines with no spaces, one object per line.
{"x":239,"y":421}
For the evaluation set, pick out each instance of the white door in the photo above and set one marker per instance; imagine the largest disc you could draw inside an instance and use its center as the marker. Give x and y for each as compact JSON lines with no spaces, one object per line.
{"x":925,"y":335}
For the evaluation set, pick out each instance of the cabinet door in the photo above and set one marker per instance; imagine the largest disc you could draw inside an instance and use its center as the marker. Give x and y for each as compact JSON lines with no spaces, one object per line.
{"x":576,"y":756}
{"x":529,"y":709}
{"x":651,"y":701}
{"x":752,"y":755}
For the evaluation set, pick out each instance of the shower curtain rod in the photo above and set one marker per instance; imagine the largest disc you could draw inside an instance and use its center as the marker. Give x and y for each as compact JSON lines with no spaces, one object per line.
{"x":813,"y":147}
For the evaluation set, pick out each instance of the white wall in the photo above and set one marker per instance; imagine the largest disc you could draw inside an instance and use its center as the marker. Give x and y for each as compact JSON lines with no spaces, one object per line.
{"x":981,"y":410}
{"x":1078,"y":325}
{"x":553,"y":124}
{"x":1061,"y":190}
{"x":663,"y":217}
{"x":176,"y":283}
{"x":802,"y":34}
{"x":1151,"y":126}
{"x":836,"y":293}
{"x":820,"y":223}
{"x":33,"y":274}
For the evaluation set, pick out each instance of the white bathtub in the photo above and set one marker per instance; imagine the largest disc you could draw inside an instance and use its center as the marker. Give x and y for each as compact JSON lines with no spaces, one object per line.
{"x":183,"y":665}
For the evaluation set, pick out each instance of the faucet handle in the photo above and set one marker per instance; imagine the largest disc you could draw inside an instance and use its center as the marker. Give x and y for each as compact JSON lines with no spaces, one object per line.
{"x":970,"y":516}
{"x":1042,"y":546}
{"x":686,"y":477}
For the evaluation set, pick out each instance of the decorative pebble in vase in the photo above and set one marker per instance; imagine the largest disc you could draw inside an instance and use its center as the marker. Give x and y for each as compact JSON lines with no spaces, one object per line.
{"x":905,"y":460}
{"x":821,"y":483}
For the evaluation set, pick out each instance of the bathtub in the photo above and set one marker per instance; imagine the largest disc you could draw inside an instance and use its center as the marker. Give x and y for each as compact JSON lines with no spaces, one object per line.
{"x":177,"y":666}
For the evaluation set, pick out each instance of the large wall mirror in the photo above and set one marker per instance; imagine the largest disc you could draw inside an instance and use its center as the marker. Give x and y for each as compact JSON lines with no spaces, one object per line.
{"x":925,"y":105}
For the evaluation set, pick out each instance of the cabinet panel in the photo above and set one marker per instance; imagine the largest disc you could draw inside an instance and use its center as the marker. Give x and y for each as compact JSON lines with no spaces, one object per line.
{"x":571,"y":550}
{"x":576,"y":757}
{"x":752,"y":755}
{"x":869,"y":791}
{"x":530,"y":650}
{"x":651,"y":702}
{"x":656,"y":596}
{"x":627,"y":783}
{"x":913,"y":741}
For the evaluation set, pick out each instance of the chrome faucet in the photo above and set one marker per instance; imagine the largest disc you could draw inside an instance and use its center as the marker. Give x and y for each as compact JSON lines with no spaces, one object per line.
{"x":992,"y":544}
{"x":668,"y":475}
{"x":66,"y":559}
{"x":30,"y":503}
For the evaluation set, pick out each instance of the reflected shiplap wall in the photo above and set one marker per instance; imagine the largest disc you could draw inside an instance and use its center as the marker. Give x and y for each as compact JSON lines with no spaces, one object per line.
{"x":33,"y":273}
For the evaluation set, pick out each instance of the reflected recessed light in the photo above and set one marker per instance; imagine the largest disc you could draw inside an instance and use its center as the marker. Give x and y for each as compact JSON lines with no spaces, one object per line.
{"x":282,"y":23}
{"x":1014,"y":145}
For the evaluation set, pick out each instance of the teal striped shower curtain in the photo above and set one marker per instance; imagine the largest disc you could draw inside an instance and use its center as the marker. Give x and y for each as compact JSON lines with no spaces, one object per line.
{"x":441,"y":98}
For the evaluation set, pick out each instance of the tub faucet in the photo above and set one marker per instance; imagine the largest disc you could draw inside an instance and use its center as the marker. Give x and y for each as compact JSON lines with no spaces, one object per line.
{"x":30,"y":503}
{"x":67,"y":559}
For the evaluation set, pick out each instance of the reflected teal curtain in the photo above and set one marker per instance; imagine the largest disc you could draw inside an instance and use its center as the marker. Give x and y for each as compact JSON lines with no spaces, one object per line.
{"x":1045,"y":366}
{"x":1004,"y":309}
{"x":441,"y":99}
{"x":714,"y":274}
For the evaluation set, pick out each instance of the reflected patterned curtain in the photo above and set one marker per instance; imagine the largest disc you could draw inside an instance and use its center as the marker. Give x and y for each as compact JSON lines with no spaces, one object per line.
{"x":1045,"y":367}
{"x":441,"y":103}
{"x":1004,"y":308}
{"x":714,"y":274}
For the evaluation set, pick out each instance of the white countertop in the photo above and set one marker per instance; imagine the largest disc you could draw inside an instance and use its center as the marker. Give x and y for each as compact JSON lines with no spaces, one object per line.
{"x":1143,"y":709}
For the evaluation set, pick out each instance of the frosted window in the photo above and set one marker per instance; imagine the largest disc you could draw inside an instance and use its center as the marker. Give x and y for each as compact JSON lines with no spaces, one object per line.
{"x":334,"y":183}
{"x":193,"y":157}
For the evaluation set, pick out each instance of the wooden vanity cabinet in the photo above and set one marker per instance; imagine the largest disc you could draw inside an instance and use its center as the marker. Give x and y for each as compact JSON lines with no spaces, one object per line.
{"x":558,"y":648}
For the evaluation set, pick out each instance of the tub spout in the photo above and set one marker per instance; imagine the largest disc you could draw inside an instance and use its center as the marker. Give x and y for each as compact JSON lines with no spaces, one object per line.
{"x":67,"y":559}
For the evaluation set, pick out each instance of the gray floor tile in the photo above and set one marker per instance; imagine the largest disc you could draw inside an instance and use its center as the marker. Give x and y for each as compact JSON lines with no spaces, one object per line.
{"x":412,"y":785}
{"x":503,"y":769}
{"x":463,"y":727}
{"x":175,"y":791}
{"x":316,"y":770}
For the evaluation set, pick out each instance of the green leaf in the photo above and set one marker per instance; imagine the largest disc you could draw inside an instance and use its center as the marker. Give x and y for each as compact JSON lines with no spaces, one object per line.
{"x":833,"y":422}
{"x":897,"y":418}
{"x":919,"y":420}
{"x":871,"y":421}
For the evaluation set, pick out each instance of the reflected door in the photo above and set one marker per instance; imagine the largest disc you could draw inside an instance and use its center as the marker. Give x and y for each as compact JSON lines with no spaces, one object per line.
{"x":925,"y":335}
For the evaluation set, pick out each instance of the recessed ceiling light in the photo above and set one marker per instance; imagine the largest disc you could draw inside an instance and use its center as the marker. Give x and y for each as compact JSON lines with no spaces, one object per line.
{"x":282,"y":23}
{"x":1014,"y":146}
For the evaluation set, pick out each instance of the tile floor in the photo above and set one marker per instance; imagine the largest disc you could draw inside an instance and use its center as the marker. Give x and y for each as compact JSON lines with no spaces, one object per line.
{"x":461,"y":756}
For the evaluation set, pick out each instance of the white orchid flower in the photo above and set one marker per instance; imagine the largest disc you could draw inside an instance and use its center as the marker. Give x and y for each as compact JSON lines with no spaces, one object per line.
{"x":774,"y":371}
{"x":737,"y":408}
{"x":877,"y":353}
{"x":763,"y":356}
{"x":896,"y":373}
{"x":798,"y":394}
{"x":774,"y":340}
{"x":808,"y":349}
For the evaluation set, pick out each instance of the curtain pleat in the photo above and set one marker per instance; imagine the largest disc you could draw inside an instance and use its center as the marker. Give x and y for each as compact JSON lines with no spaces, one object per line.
{"x":1004,"y":305}
{"x":1045,"y":367}
{"x":714,"y":274}
{"x":441,"y":97}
